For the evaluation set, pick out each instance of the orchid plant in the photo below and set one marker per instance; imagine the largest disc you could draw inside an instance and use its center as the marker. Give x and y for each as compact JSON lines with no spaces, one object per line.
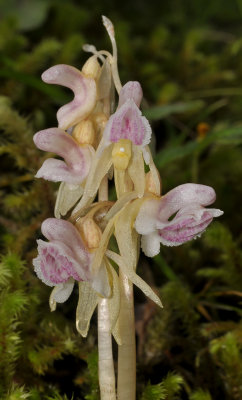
{"x":99,"y":143}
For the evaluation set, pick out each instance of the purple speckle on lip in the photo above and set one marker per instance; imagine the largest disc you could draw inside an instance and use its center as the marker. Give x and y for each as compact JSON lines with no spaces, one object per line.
{"x":187,"y":232}
{"x":128,"y":123}
{"x":56,"y":267}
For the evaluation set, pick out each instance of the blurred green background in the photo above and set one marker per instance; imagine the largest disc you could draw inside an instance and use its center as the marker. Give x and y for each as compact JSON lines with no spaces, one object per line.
{"x":187,"y":55}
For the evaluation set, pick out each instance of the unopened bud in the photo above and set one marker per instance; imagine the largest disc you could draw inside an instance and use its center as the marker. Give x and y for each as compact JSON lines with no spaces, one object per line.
{"x":100,"y":119}
{"x":121,"y":154}
{"x":90,"y":232}
{"x":151,"y":185}
{"x":91,"y":68}
{"x":84,"y":132}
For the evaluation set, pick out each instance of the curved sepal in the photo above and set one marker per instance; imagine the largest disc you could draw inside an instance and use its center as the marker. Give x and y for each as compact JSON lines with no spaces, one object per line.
{"x":77,"y":158}
{"x":84,"y":89}
{"x":87,"y":302}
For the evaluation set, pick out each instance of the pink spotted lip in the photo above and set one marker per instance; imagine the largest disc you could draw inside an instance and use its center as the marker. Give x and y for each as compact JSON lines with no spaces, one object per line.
{"x":185,"y":231}
{"x":190,"y":221}
{"x":55,"y":263}
{"x":127,"y":122}
{"x":64,"y":256}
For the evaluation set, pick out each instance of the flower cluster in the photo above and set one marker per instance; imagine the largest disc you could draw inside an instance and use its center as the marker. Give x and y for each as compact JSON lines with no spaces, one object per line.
{"x":96,"y":143}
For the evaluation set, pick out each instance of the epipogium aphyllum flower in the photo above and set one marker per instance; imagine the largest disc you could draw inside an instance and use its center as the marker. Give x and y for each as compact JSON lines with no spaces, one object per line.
{"x":98,"y":143}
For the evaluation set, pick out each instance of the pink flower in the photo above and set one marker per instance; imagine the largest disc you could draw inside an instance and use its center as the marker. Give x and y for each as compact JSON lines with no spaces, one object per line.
{"x":127,"y":122}
{"x":123,"y":145}
{"x":77,"y":158}
{"x":63,"y":259}
{"x":176,"y":218}
{"x":83,"y":87}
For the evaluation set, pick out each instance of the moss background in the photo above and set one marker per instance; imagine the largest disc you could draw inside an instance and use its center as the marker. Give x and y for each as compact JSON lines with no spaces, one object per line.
{"x":188,"y":57}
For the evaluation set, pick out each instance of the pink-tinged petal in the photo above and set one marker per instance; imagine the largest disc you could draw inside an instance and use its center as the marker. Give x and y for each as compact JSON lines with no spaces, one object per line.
{"x":84,"y":89}
{"x":180,"y":217}
{"x":78,"y":158}
{"x":63,"y":291}
{"x":128,"y":123}
{"x":57,"y":171}
{"x":57,"y":141}
{"x":183,"y":196}
{"x":59,"y":230}
{"x":179,"y":236}
{"x":55,"y":263}
{"x":188,"y":226}
{"x":131,"y":90}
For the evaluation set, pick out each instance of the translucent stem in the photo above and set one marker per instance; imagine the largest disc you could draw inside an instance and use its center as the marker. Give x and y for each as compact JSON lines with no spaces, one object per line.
{"x":126,"y":351}
{"x":105,"y":353}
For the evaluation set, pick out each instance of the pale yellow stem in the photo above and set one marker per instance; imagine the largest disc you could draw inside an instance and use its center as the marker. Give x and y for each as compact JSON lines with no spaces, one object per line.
{"x":126,"y":351}
{"x":103,"y":189}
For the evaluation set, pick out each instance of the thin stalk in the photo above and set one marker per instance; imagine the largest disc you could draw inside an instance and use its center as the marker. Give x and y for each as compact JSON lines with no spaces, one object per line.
{"x":127,"y":350}
{"x":105,"y":351}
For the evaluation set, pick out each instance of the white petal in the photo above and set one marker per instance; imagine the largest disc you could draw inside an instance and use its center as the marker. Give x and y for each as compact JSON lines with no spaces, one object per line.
{"x":150,"y":244}
{"x":63,"y":291}
{"x":146,"y":220}
{"x":215,"y":212}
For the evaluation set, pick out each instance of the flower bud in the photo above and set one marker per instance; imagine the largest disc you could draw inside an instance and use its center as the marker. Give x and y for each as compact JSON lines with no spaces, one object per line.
{"x":100,"y":120}
{"x":84,"y":132}
{"x":91,"y":68}
{"x":151,"y":184}
{"x":90,"y":232}
{"x":121,"y":154}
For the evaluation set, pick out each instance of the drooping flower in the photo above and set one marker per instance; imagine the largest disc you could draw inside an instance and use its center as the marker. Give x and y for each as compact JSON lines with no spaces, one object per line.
{"x":77,"y":158}
{"x":63,"y":259}
{"x":175,"y":218}
{"x":66,"y":259}
{"x":83,"y":87}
